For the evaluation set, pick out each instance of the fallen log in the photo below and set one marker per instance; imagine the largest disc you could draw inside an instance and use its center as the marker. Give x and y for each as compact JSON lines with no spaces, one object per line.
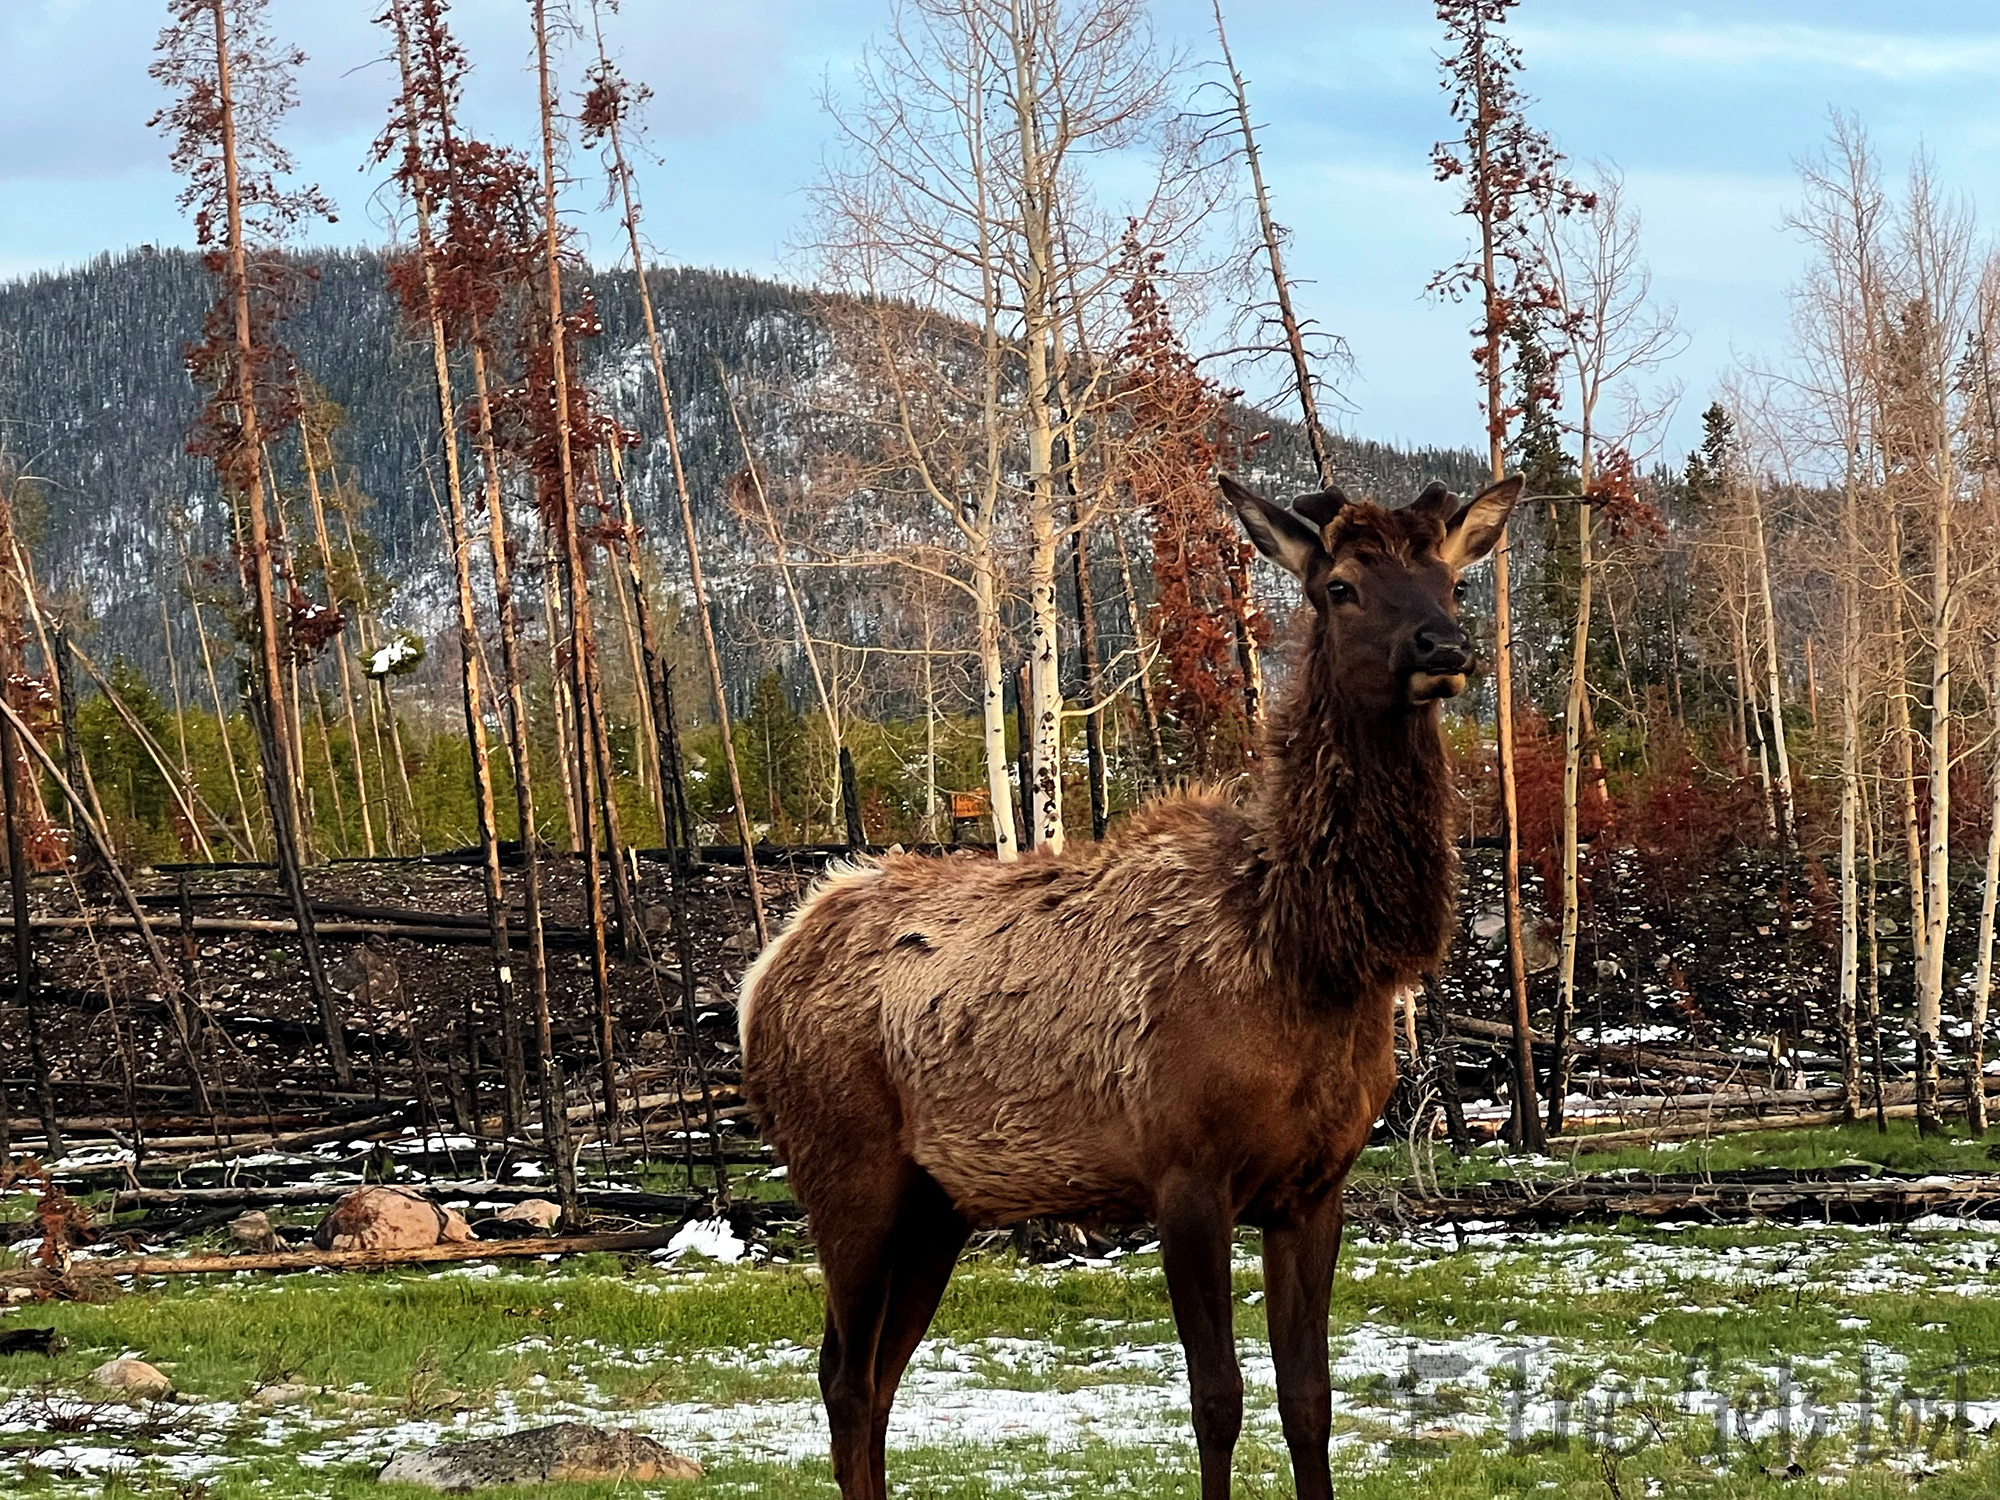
{"x":203,"y":1148}
{"x":336,"y":1260}
{"x":1696,"y":1129}
{"x":1873,"y":1200}
{"x":1698,"y":1062}
{"x":595,"y":1107}
{"x":279,"y":1195}
{"x":183,"y":1129}
{"x":1903,"y":1108}
{"x":402,"y":916}
{"x":428,"y":932}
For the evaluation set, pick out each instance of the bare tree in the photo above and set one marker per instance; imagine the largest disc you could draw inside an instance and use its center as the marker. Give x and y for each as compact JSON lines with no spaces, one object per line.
{"x":561,"y":485}
{"x":1612,"y":333}
{"x":1938,"y":273}
{"x":606,"y":109}
{"x":1271,"y":236}
{"x":1836,"y":320}
{"x":1982,"y":389}
{"x":960,"y":198}
{"x":1513,"y":180}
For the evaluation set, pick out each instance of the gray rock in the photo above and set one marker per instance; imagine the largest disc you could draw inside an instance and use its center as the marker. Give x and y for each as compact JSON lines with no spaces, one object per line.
{"x":132,"y":1377}
{"x":567,"y":1451}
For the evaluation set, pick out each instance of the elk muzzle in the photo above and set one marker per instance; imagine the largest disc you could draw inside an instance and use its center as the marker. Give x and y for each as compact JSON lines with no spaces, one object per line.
{"x":1441,"y":655}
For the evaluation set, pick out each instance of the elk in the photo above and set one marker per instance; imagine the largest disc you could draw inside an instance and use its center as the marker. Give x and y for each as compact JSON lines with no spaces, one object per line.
{"x":1191,"y":1022}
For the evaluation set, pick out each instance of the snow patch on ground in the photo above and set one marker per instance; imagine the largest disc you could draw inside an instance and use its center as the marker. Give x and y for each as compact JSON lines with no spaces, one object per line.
{"x":712,"y":1239}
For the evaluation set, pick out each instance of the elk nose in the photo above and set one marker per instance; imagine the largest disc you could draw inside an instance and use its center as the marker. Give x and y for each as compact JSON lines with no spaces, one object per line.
{"x":1442,"y":647}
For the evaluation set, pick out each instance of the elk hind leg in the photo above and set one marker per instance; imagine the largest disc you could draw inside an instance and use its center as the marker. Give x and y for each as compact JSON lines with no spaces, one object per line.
{"x":856,"y":1238}
{"x":929,"y":1235}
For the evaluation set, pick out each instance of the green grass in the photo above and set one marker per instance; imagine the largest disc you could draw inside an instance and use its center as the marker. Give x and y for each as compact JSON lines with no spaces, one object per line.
{"x":390,"y":1332}
{"x":1442,"y":1469}
{"x":1900,"y":1149}
{"x":686,"y":1352}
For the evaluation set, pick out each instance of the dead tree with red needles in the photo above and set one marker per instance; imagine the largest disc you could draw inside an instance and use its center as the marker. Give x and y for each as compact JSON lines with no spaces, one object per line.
{"x":1203,"y":612}
{"x":486,"y":243}
{"x":232,"y":85}
{"x":419,"y":139}
{"x":547,"y":424}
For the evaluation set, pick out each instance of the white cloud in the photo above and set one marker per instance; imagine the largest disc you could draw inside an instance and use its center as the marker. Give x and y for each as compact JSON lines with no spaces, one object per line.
{"x":1901,"y":57}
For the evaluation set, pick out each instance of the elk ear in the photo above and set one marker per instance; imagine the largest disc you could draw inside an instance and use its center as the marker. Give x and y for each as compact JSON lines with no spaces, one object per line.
{"x":1278,"y":534}
{"x":1475,"y":531}
{"x":1435,"y":500}
{"x":1320,"y":509}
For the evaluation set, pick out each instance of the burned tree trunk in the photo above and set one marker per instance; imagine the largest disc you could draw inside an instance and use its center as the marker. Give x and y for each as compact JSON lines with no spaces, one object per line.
{"x":555,"y":1116}
{"x":170,"y":985}
{"x":668,"y":746}
{"x":417,"y":183}
{"x":1441,"y":1045}
{"x":293,"y":882}
{"x":27,"y":994}
{"x":1273,"y":236}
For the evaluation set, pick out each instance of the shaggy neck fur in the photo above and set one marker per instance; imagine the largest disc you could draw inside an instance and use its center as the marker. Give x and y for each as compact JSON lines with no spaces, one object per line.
{"x":1354,"y":822}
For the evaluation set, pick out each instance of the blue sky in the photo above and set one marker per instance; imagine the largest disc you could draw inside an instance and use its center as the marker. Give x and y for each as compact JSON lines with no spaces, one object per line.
{"x":1704,"y":107}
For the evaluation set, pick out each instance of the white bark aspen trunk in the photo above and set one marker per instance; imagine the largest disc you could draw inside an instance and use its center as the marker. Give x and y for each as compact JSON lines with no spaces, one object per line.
{"x":993,"y":701}
{"x":1989,"y":900}
{"x":1749,"y":715}
{"x":1773,"y":685}
{"x":1937,"y":877}
{"x":1906,"y":749}
{"x":1039,"y":326}
{"x":1848,"y":1012}
{"x":1045,"y":689}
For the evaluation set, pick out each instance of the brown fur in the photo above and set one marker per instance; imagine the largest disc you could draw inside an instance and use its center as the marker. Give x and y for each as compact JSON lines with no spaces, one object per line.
{"x":1199,"y":1008}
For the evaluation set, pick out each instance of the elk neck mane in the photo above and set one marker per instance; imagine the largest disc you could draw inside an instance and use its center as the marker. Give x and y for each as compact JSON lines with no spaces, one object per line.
{"x":1353,"y":822}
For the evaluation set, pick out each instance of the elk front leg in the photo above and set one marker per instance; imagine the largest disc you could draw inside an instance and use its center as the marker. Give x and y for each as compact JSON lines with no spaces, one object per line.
{"x":1196,"y":1225}
{"x":1298,"y":1284}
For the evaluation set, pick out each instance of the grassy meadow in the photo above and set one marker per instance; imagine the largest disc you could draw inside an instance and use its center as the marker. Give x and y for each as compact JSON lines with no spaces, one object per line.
{"x":1609,"y":1361}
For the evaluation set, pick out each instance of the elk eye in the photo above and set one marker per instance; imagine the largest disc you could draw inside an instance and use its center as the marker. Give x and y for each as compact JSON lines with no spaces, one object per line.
{"x":1338,"y":591}
{"x":1458,"y":591}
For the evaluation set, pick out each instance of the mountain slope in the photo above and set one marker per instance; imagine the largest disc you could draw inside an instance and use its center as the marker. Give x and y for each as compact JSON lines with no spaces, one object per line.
{"x":94,"y":397}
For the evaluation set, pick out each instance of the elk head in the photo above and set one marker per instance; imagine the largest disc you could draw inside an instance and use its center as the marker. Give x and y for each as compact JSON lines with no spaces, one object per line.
{"x":1384,"y":584}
